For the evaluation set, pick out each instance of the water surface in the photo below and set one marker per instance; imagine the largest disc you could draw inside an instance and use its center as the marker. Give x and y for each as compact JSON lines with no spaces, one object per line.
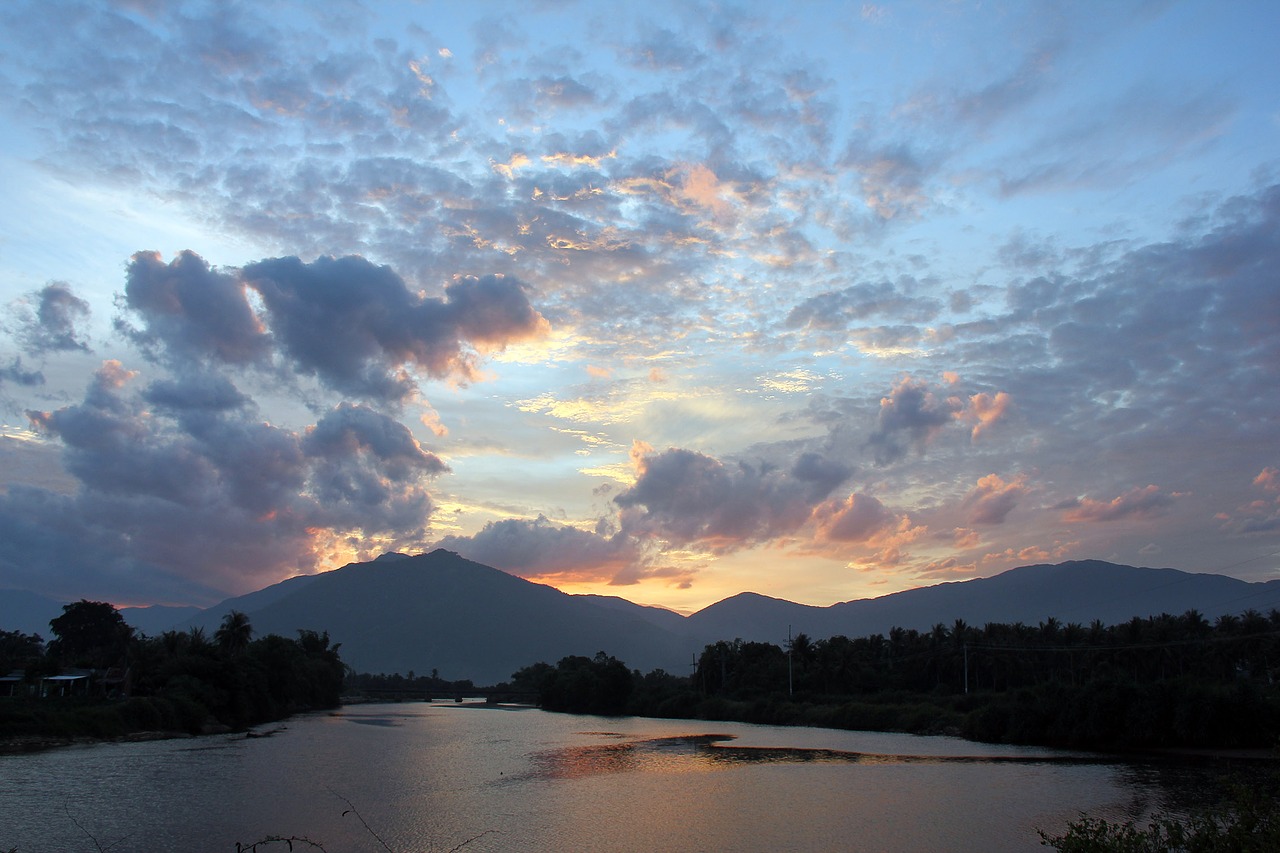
{"x":431,"y":777}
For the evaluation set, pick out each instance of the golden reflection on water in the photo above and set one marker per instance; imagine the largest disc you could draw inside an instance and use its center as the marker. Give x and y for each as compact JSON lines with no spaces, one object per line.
{"x":703,"y":753}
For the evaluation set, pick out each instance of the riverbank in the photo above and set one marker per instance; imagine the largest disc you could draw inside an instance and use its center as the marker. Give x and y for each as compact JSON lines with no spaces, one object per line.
{"x":32,"y":725}
{"x":34,"y":743}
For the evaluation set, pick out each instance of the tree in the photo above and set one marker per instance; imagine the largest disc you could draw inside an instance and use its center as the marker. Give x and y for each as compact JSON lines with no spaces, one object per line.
{"x":234,"y":634}
{"x":90,"y":633}
{"x":18,"y":650}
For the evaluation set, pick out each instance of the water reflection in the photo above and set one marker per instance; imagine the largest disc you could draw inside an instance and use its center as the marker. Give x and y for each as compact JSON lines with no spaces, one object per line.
{"x":704,"y":752}
{"x":431,"y":778}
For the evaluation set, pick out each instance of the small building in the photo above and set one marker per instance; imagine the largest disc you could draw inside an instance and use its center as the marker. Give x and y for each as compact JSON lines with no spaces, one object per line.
{"x":14,"y":684}
{"x":73,"y":682}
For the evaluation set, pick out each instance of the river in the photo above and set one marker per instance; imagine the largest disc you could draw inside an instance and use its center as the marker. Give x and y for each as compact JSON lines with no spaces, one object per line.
{"x":430,"y":777}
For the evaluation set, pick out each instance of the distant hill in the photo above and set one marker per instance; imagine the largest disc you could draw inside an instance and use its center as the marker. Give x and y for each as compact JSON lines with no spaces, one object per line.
{"x":30,"y":613}
{"x":158,"y":618}
{"x":440,"y":611}
{"x":27,"y":612}
{"x":1076,"y":591}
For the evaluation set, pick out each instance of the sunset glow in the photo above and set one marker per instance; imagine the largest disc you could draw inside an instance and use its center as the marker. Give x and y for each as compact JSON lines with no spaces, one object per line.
{"x":666,"y":301}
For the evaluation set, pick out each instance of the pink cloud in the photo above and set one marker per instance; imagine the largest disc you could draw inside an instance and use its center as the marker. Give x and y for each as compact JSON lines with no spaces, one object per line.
{"x":1144,"y":502}
{"x":985,"y":410}
{"x":992,"y":499}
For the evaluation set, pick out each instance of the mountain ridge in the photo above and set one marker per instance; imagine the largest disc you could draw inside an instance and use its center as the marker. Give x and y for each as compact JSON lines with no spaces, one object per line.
{"x":440,"y":611}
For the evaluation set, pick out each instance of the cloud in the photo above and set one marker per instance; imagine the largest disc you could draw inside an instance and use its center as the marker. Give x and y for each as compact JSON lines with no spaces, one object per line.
{"x":539,"y":550}
{"x":1118,"y":141}
{"x":53,"y":325}
{"x":354,"y":325}
{"x":1031,"y":554}
{"x":856,"y":519}
{"x":892,"y":178}
{"x":945,"y":569}
{"x":1139,"y":502}
{"x":15,"y":373}
{"x":909,"y":418}
{"x":837,"y":309}
{"x":192,"y":312}
{"x":985,"y":410}
{"x":992,"y":499}
{"x":182,"y":483}
{"x":687,"y":498}
{"x":1257,"y":516}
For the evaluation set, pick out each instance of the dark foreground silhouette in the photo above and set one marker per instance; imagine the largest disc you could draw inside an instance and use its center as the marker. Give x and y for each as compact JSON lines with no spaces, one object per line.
{"x":1161,"y":682}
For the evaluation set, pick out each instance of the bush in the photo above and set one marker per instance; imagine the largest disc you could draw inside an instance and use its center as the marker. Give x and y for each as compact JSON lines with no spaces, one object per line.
{"x":1248,"y":823}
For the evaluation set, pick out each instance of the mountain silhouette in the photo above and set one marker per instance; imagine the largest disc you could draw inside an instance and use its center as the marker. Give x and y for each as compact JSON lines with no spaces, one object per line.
{"x":440,"y":611}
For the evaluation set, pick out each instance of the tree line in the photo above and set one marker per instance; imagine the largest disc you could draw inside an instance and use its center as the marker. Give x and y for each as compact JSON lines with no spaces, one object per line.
{"x":1161,"y":681}
{"x":176,"y":681}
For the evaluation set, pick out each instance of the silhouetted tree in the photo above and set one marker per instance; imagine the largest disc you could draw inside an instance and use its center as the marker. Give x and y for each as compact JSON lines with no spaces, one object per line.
{"x":234,"y":634}
{"x":89,"y":633}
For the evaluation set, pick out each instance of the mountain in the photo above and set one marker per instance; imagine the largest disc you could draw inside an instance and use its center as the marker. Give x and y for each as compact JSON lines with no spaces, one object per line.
{"x":27,"y":612}
{"x":157,"y":618}
{"x":441,"y":611}
{"x":666,"y":619}
{"x":1076,"y":591}
{"x":30,"y":613}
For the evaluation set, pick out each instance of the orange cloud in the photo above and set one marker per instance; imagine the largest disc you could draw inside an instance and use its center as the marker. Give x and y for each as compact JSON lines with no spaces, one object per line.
{"x":992,"y":499}
{"x":985,"y":410}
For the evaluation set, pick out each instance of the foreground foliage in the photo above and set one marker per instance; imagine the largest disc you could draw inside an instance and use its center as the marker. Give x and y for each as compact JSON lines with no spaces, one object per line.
{"x":1248,"y":823}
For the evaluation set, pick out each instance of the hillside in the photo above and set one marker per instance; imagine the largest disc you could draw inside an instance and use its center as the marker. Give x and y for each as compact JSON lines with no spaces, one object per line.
{"x":439,"y":611}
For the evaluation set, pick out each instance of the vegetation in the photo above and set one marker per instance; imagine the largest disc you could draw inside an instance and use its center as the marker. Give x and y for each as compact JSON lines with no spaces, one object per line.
{"x":412,"y":686}
{"x":179,"y":681}
{"x":581,"y":685}
{"x":1248,"y":823}
{"x":1166,"y":681}
{"x":17,"y":650}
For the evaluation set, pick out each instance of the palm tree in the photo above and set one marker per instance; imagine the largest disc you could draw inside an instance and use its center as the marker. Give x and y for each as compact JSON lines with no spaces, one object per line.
{"x":234,"y":634}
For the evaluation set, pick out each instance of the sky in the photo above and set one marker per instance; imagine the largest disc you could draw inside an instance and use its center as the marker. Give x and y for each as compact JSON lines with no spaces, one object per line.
{"x":668,"y":301}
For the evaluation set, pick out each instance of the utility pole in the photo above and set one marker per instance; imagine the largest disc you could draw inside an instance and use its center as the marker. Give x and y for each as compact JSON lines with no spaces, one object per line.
{"x":966,"y":667}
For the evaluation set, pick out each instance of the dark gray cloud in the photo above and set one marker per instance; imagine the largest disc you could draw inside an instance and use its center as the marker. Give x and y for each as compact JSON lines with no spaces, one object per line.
{"x":354,"y":325}
{"x":688,"y":498}
{"x":200,"y":394}
{"x":16,"y":374}
{"x":181,"y":482}
{"x":909,"y":418}
{"x":837,"y":309}
{"x":365,"y":460}
{"x":192,"y":312}
{"x":539,"y":549}
{"x":53,"y":326}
